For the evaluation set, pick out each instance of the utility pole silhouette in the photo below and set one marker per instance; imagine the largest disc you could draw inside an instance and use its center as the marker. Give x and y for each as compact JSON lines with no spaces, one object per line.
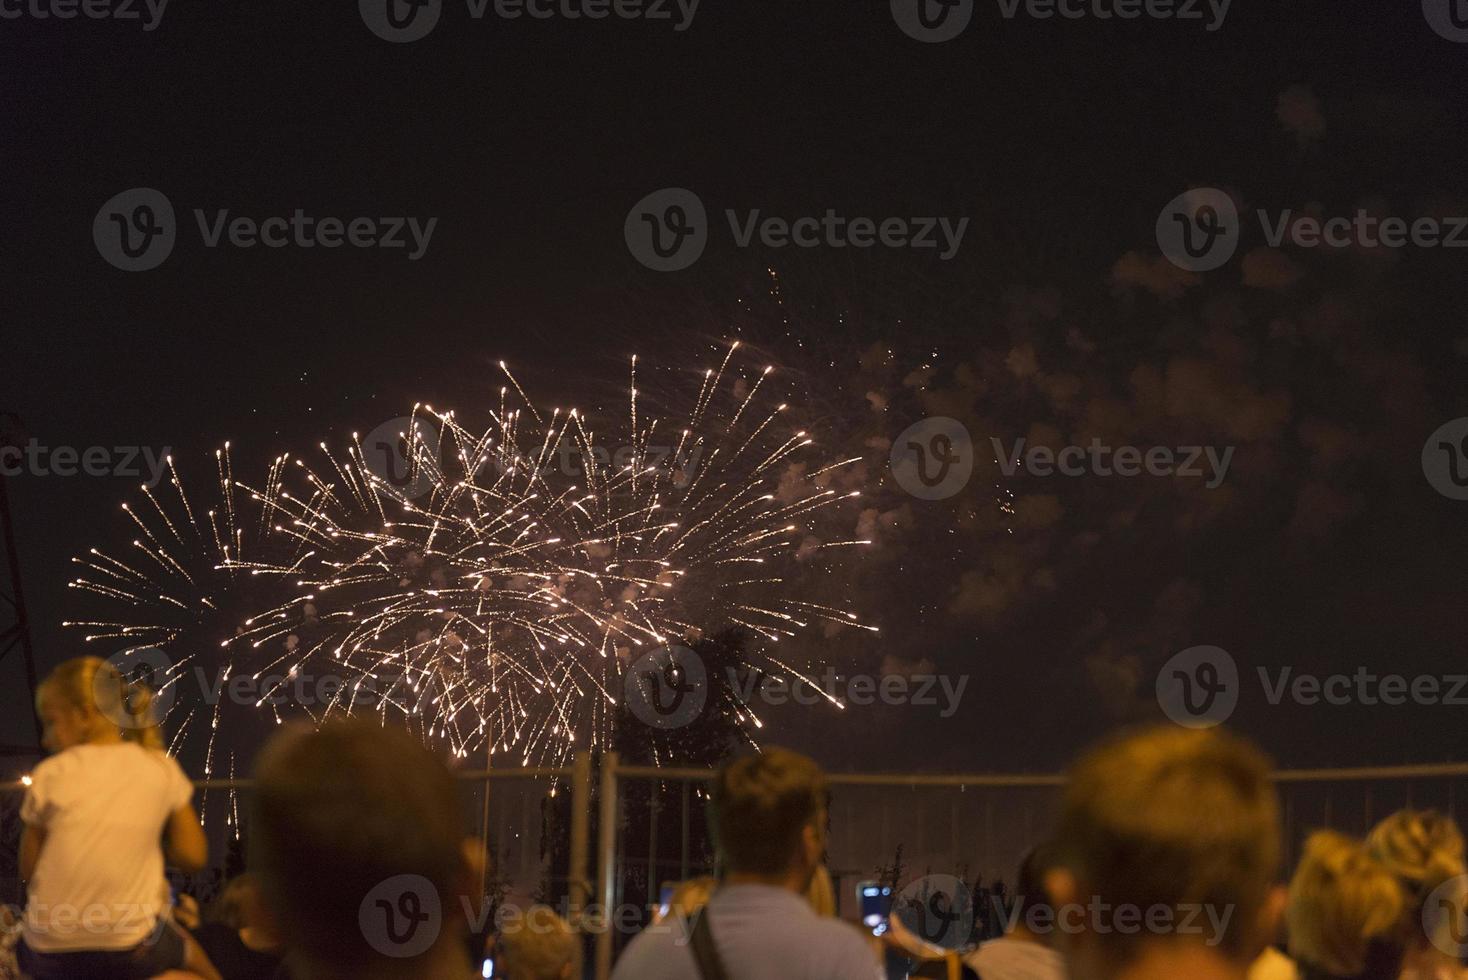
{"x":15,"y":629}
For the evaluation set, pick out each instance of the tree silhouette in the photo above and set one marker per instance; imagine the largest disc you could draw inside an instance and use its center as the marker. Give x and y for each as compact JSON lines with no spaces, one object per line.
{"x":890,"y":875}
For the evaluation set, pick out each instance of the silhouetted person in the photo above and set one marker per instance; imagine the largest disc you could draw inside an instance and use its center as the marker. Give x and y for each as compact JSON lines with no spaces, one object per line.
{"x":362,"y":854}
{"x":1166,"y":858}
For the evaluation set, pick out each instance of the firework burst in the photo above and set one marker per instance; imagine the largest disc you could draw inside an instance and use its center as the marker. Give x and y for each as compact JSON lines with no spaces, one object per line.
{"x":491,"y":584}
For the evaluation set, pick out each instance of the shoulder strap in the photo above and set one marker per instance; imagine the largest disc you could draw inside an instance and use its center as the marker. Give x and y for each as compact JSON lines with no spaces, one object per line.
{"x":710,"y":967}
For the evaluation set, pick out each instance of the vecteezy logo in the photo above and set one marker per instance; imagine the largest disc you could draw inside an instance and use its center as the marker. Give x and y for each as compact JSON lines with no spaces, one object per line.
{"x":1445,"y":916}
{"x":666,"y":688}
{"x":1199,"y":229}
{"x":937,"y":908}
{"x":933,"y":459}
{"x":667,"y":230}
{"x":139,"y":668}
{"x":1199,"y":687}
{"x":1445,"y":459}
{"x":1449,"y":18}
{"x":405,"y":453}
{"x":135,"y":230}
{"x":402,"y":916}
{"x":932,"y":21}
{"x":400,"y":21}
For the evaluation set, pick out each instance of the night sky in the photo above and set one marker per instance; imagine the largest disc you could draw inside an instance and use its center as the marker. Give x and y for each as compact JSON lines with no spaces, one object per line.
{"x":1057,"y":320}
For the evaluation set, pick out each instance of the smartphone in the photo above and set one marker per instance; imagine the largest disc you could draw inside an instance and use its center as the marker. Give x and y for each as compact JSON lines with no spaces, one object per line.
{"x":875,"y":902}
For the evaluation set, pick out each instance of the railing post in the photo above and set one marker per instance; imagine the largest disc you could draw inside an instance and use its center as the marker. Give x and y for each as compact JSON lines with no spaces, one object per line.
{"x":579,"y":887}
{"x":484,"y":857}
{"x":652,"y":843}
{"x":683,"y":859}
{"x":607,"y":863}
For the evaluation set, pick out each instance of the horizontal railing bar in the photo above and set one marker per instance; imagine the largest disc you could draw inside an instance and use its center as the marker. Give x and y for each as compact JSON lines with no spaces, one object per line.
{"x":860,"y":779}
{"x":480,"y":775}
{"x":1445,"y":770}
{"x":466,"y":775}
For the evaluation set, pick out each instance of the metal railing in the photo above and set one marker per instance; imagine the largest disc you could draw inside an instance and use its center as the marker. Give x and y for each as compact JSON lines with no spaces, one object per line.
{"x":979,"y":816}
{"x":1347,"y":799}
{"x":577,"y":776}
{"x":480,"y":789}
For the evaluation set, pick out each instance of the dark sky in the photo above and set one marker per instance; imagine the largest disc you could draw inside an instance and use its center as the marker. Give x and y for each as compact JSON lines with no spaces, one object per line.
{"x":1058,"y":320}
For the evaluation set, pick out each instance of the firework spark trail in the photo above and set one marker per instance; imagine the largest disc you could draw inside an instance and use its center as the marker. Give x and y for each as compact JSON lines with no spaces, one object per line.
{"x":498,"y":608}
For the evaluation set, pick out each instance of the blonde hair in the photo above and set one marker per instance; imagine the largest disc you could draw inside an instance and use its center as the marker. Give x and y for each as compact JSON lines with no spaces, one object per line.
{"x":1341,"y":901}
{"x":1424,"y":848}
{"x":821,"y":894}
{"x":541,"y":947}
{"x":91,"y":684}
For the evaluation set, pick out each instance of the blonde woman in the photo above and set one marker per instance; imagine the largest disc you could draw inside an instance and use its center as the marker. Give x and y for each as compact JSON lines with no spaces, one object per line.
{"x":1345,"y":910}
{"x":95,"y":813}
{"x":1424,"y":849}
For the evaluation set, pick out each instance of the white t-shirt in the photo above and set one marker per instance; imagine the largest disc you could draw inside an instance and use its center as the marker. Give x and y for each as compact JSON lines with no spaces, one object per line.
{"x":99,"y":882}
